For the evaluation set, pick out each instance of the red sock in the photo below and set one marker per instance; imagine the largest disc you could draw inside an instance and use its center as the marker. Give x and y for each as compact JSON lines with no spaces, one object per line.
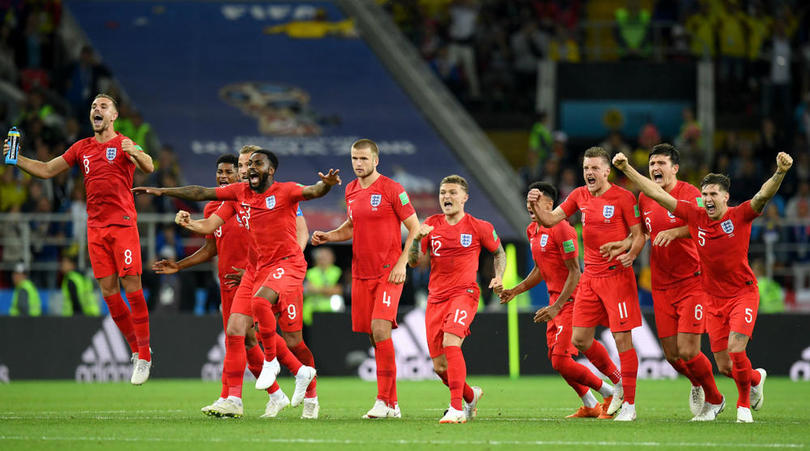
{"x":701,"y":369}
{"x":629,"y":361}
{"x":598,"y":355}
{"x":285,"y":357}
{"x":456,"y":375}
{"x":386,"y":368}
{"x":392,"y":394}
{"x":235,"y":360}
{"x":575,"y":373}
{"x":305,"y":356}
{"x":741,"y":372}
{"x":267,"y":326}
{"x":468,"y":392}
{"x":123,"y":319}
{"x":756,"y":378}
{"x":255,"y":361}
{"x":224,"y":392}
{"x":681,"y":367}
{"x":140,"y":321}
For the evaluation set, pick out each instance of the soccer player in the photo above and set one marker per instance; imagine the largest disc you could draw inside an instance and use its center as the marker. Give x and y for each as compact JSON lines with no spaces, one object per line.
{"x":108,"y":160}
{"x":451,"y":243}
{"x":607,"y":289}
{"x":678,"y":298}
{"x":556,"y":260}
{"x":376,"y":207}
{"x":268,"y":213}
{"x":722,"y":235}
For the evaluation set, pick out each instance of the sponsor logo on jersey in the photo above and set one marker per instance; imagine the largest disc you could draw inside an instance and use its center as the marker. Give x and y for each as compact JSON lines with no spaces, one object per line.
{"x":466,"y":239}
{"x":543,"y":240}
{"x":403,"y":197}
{"x":727,"y":226}
{"x":107,"y":359}
{"x":671,"y":216}
{"x":607,"y":211}
{"x":111,"y":153}
{"x":270,"y":201}
{"x":376,"y":199}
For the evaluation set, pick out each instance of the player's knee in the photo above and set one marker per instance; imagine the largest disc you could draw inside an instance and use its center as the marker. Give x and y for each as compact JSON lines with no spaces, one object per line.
{"x":687,"y":353}
{"x":581,"y":343}
{"x":724,"y":369}
{"x":250,"y":341}
{"x":292,"y":340}
{"x":439,"y":367}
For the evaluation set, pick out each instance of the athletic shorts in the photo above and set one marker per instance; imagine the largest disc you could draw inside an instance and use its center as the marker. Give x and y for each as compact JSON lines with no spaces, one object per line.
{"x":614,"y":298}
{"x":282,"y":275}
{"x":226,"y":296}
{"x":452,"y":315}
{"x":114,"y":250}
{"x":374,"y":299}
{"x":244,"y":294}
{"x":559,"y":331}
{"x":289,"y":308}
{"x":738,"y":314}
{"x":680,"y":308}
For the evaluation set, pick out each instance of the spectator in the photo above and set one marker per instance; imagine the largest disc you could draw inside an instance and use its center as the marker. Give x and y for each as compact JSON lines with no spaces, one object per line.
{"x":732,"y":42}
{"x":463,"y":18}
{"x":540,"y":141}
{"x":633,"y":31}
{"x":802,"y":195}
{"x":614,"y":143}
{"x":13,"y":192}
{"x":133,"y":126}
{"x":771,"y":294}
{"x":800,"y":232}
{"x":777,"y":90}
{"x":447,"y":70}
{"x":759,"y":25}
{"x":25,"y":300}
{"x":770,"y":231}
{"x":563,"y":46}
{"x":11,"y":234}
{"x":528,"y":45}
{"x":700,"y":27}
{"x":322,"y":289}
{"x":77,"y":291}
{"x":82,"y":80}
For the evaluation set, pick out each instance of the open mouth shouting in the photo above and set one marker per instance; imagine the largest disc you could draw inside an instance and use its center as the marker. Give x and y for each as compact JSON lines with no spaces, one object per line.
{"x":710,"y":207}
{"x":254,"y":178}
{"x":98,"y":121}
{"x":657,"y":177}
{"x":590,"y":180}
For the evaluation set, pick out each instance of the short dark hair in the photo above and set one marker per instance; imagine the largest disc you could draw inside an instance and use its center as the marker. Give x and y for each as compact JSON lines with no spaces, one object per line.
{"x":667,"y":150}
{"x":546,"y":188}
{"x":227,"y":158}
{"x":598,"y":152}
{"x":270,"y":156}
{"x":458,"y":180}
{"x":716,"y":179}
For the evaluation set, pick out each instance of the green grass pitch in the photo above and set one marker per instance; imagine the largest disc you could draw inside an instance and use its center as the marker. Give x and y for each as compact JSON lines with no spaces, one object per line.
{"x":514,"y":414}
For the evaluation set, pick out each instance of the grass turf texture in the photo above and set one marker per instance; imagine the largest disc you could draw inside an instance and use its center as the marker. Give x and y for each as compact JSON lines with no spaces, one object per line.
{"x":529,"y":412}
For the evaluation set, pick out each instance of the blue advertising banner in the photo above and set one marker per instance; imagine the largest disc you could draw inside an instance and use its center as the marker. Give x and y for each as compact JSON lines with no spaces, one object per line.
{"x":293,"y":77}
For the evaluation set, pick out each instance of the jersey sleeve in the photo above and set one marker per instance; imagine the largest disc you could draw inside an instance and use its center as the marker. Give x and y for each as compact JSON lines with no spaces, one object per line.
{"x":686,"y":209}
{"x":423,"y":244}
{"x":566,"y":239}
{"x":296,"y":193}
{"x":570,"y":205}
{"x":210,"y":208}
{"x":71,"y":156}
{"x":747,"y":213}
{"x":400,"y":201}
{"x":225,"y":211}
{"x":488,"y":236}
{"x":630,"y":210}
{"x":229,"y":192}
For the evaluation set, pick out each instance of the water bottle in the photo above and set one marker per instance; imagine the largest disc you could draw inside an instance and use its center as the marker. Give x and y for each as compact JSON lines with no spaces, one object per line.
{"x":13,"y":146}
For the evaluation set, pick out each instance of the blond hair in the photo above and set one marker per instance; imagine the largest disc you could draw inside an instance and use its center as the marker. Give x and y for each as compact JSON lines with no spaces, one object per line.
{"x":250,"y":148}
{"x":458,"y":180}
{"x":367,"y":144}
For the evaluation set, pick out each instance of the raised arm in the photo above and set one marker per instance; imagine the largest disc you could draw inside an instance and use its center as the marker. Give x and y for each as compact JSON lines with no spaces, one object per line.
{"x":136,"y":154}
{"x":397,"y":274}
{"x":191,"y":192}
{"x":38,"y":168}
{"x":647,"y":186}
{"x":545,"y":218}
{"x":323,"y":186}
{"x":203,"y":254}
{"x":771,"y":186}
{"x":415,"y":255}
{"x":342,"y":233}
{"x":205,"y":226}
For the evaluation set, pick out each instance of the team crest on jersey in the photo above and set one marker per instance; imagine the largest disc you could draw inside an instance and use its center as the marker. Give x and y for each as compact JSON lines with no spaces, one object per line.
{"x":376,"y":199}
{"x":270,"y":201}
{"x":607,"y":211}
{"x":111,"y":152}
{"x":671,"y":216}
{"x":727,"y":226}
{"x":466,"y":239}
{"x":543,"y":240}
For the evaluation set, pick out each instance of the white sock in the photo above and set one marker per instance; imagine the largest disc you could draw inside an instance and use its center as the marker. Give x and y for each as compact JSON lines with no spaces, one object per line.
{"x":236,"y":399}
{"x":606,"y":390}
{"x":276,"y":395}
{"x":588,"y":399}
{"x":312,"y":399}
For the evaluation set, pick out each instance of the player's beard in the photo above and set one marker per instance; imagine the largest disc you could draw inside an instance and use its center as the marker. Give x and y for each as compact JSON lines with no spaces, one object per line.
{"x":263,"y":182}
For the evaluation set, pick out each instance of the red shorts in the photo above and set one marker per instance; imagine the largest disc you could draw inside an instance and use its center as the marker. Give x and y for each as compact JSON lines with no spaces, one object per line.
{"x":374,"y":299}
{"x":244,"y":294}
{"x":114,"y":250}
{"x":737,"y":314}
{"x":559,"y":331}
{"x":282,"y":275}
{"x":226,"y":295}
{"x":680,"y":308}
{"x":614,"y":298}
{"x":289,"y":308}
{"x":452,"y":315}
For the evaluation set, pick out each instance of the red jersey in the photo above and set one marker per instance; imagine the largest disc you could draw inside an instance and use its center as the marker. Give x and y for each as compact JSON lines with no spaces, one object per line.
{"x":108,"y":175}
{"x":376,"y":213}
{"x":723,"y":247}
{"x":679,"y":260}
{"x":454,"y":251}
{"x":605,"y":218}
{"x":269,"y":216}
{"x":550,"y":249}
{"x":232,"y":243}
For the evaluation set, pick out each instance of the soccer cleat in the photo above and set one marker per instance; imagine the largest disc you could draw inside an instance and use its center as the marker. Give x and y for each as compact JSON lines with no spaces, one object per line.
{"x":628,"y":413}
{"x":616,"y":401}
{"x":696,"y":400}
{"x":302,"y":379}
{"x":471,"y":408}
{"x":311,"y":409}
{"x":268,"y":375}
{"x":587,"y":412}
{"x":757,"y":392}
{"x":209,"y":409}
{"x":275,"y":404}
{"x":134,"y":359}
{"x":228,"y":409}
{"x":395,"y":412}
{"x":710,"y":411}
{"x":140,"y":373}
{"x":453,"y":416}
{"x":744,"y":415}
{"x":380,"y":410}
{"x":605,"y":403}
